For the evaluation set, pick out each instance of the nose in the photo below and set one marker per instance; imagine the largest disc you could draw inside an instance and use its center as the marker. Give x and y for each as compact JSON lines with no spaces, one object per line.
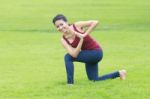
{"x":60,"y":27}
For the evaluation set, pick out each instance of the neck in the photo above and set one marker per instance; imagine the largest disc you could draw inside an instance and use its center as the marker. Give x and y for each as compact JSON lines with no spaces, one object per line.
{"x":69,"y":34}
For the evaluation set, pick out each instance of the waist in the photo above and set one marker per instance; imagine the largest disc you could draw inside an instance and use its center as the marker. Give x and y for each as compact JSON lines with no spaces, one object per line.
{"x":95,"y":49}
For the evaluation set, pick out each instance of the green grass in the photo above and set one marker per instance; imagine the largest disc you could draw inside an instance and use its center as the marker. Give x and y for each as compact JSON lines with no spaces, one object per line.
{"x":31,"y":56}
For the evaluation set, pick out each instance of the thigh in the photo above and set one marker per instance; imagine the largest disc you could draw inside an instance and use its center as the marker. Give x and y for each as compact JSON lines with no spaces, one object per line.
{"x":89,"y":56}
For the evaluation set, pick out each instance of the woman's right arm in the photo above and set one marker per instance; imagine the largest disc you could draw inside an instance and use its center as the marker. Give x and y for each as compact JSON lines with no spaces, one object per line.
{"x":72,"y":51}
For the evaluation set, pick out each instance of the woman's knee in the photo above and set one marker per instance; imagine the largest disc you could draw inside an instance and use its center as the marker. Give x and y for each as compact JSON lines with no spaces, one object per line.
{"x":99,"y":57}
{"x":68,"y":57}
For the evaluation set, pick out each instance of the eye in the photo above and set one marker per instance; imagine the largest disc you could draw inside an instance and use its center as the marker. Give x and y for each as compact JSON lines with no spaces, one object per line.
{"x":57,"y":26}
{"x":61,"y":24}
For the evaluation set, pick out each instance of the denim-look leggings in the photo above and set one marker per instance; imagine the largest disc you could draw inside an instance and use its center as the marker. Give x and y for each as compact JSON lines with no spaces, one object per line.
{"x":91,"y":59}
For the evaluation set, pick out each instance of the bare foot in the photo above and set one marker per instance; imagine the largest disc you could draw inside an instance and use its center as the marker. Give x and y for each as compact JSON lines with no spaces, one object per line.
{"x":122,"y":74}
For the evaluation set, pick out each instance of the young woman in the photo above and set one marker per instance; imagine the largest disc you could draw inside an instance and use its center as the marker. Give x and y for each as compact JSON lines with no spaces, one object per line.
{"x":81,"y":47}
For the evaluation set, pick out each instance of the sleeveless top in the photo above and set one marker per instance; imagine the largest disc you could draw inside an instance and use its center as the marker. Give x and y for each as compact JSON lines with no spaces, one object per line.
{"x":88,"y":43}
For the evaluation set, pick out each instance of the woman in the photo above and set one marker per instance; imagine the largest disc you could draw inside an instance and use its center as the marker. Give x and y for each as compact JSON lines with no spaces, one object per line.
{"x":81,"y":47}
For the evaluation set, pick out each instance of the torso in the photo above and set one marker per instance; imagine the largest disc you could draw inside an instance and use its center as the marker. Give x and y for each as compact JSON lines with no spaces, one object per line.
{"x":88,"y":44}
{"x":73,"y":37}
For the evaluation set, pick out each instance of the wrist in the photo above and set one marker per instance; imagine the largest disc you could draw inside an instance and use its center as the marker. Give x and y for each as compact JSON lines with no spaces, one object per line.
{"x":85,"y":34}
{"x":81,"y":39}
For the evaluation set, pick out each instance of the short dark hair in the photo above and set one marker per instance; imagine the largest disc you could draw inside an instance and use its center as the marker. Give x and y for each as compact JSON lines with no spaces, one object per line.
{"x":59,"y":17}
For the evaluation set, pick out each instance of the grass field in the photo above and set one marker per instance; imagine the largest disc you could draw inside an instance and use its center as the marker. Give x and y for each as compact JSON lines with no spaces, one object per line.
{"x":31,"y":56}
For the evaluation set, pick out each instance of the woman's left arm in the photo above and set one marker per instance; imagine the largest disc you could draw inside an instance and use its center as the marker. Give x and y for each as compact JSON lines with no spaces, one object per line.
{"x":90,"y":25}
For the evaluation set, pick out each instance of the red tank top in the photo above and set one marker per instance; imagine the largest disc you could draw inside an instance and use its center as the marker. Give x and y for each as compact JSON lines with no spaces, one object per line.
{"x":88,"y":43}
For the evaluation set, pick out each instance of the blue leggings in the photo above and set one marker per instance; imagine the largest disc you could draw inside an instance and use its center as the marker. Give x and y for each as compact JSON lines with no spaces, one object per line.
{"x":91,"y":59}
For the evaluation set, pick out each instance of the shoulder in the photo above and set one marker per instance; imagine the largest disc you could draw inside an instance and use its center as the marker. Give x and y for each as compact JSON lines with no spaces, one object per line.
{"x":62,"y":39}
{"x":77,"y":26}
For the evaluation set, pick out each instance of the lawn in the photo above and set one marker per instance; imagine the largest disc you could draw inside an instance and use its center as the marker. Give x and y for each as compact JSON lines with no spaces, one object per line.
{"x":31,"y":56}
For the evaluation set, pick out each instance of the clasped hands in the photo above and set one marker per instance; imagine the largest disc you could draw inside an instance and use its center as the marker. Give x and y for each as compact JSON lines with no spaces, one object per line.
{"x":81,"y":36}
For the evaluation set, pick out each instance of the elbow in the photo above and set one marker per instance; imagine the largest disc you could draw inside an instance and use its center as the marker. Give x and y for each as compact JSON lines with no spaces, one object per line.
{"x":74,"y":55}
{"x":95,"y":22}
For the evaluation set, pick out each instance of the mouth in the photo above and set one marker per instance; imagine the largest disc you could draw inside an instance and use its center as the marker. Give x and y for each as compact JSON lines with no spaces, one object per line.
{"x":64,"y":30}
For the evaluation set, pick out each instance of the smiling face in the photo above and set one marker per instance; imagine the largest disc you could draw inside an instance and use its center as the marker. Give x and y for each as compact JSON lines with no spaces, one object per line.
{"x":62,"y":26}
